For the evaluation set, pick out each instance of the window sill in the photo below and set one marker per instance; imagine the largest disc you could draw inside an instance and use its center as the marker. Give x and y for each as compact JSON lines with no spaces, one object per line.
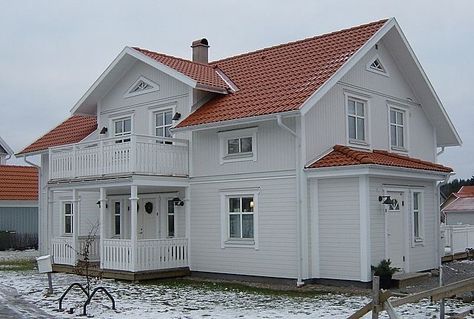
{"x":359,"y":142}
{"x":398,"y":149}
{"x":248,"y":156}
{"x":418,"y":242}
{"x":239,"y":243}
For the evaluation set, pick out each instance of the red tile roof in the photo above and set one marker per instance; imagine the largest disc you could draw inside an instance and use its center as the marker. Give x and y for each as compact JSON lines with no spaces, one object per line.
{"x":72,"y":130}
{"x":18,"y":182}
{"x":204,"y":74}
{"x":465,"y":191}
{"x":345,"y":156}
{"x":281,"y":78}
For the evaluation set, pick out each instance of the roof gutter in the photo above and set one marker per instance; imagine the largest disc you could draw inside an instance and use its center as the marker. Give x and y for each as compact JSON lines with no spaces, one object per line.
{"x":300,"y":199}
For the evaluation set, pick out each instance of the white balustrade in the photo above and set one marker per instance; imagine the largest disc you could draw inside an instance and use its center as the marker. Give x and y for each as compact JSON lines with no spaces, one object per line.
{"x":135,"y":154}
{"x":457,"y":238}
{"x":63,"y":251}
{"x":93,"y":248}
{"x":152,"y":254}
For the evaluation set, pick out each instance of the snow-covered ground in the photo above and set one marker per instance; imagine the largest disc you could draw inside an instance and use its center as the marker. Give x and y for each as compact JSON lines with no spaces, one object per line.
{"x":171,"y":300}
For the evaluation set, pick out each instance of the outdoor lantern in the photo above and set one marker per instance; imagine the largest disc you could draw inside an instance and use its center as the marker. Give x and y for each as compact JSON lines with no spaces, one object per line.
{"x":176,"y":116}
{"x":178,"y":202}
{"x":103,"y":130}
{"x":98,"y":204}
{"x":386,"y":200}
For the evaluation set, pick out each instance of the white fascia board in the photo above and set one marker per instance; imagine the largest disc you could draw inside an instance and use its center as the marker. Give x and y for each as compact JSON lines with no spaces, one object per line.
{"x":428,"y":83}
{"x":244,"y":120}
{"x":32,"y":153}
{"x":346,"y":67}
{"x":374,"y":170}
{"x":5,"y":146}
{"x":141,"y":57}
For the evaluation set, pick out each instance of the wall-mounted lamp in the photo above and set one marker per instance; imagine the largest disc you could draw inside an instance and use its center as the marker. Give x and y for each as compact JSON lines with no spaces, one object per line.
{"x":103,"y":130}
{"x":98,"y":204}
{"x":386,"y":200}
{"x":178,"y":202}
{"x":176,"y":116}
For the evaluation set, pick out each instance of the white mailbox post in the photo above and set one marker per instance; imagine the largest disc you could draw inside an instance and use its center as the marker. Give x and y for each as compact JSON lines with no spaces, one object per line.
{"x":45,"y":265}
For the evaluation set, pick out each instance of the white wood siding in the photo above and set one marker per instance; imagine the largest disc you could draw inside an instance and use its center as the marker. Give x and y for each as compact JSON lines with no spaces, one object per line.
{"x":275,"y":151}
{"x":458,"y":218}
{"x":421,"y":256}
{"x":276,"y":256}
{"x":325,"y":123}
{"x":339,"y":235}
{"x":172,"y":93}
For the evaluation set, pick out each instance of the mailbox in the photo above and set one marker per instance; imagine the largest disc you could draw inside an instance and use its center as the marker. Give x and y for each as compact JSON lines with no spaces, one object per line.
{"x":45,"y":264}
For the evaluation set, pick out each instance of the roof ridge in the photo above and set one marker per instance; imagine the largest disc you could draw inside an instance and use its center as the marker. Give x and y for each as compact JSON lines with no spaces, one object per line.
{"x":173,"y":57}
{"x":298,"y":41}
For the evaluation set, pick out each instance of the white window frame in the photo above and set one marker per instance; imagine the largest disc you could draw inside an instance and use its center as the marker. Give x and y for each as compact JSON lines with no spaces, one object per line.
{"x":114,"y":230}
{"x":175,"y":223}
{"x":226,"y":240}
{"x":405,"y":111}
{"x":121,"y":117}
{"x":376,"y":71}
{"x":417,"y":240}
{"x":154,"y":87}
{"x":63,"y":209}
{"x":366,"y":100}
{"x":225,"y":136}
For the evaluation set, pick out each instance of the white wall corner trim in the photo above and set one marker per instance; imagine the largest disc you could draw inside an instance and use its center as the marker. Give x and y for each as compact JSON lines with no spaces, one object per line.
{"x":365,"y":257}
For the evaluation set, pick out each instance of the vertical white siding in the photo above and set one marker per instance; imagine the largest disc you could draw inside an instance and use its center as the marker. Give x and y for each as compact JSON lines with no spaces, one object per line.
{"x":43,"y":227}
{"x":275,"y":152}
{"x":457,"y":218}
{"x":421,"y":256}
{"x":276,"y":256}
{"x":339,"y":235}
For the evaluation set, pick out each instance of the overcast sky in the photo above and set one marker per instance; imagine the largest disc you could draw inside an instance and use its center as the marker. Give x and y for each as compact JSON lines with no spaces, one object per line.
{"x":52,"y":51}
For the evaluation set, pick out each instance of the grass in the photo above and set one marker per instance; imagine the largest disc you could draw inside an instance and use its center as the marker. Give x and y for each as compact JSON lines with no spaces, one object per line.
{"x":12,"y":265}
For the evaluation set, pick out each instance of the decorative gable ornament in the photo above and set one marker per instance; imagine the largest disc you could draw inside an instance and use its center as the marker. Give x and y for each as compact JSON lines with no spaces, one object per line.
{"x":142,"y":86}
{"x":377,"y":66}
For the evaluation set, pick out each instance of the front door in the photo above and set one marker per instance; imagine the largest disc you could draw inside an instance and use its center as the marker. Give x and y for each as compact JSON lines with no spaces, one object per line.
{"x":395,"y":237}
{"x":147,"y":218}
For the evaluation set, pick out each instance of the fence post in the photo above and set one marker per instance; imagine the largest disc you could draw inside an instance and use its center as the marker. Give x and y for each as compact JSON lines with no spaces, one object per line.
{"x":441,"y":302}
{"x":375,"y":297}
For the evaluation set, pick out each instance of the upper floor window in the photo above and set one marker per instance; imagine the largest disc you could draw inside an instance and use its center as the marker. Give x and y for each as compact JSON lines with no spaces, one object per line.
{"x":163,"y":123}
{"x":123,"y":127}
{"x":397,"y":129}
{"x":357,"y":120}
{"x":238,"y":145}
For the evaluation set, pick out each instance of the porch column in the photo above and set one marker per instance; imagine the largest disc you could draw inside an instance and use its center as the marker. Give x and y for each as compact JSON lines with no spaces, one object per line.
{"x":75,"y":225}
{"x":103,"y":203}
{"x":133,"y":232}
{"x":187,"y":211}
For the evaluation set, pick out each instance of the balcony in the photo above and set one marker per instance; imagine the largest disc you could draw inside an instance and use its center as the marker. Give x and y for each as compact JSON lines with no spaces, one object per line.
{"x":132,"y":154}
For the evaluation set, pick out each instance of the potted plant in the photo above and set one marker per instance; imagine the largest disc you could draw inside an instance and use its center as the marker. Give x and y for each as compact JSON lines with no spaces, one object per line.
{"x":385,"y":271}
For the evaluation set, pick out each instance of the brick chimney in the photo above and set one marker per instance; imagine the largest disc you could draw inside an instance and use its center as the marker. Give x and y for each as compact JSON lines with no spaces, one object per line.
{"x":200,"y":50}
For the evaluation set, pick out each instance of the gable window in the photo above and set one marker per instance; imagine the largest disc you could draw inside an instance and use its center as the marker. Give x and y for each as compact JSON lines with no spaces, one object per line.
{"x":417,"y":209}
{"x":377,"y":66}
{"x":357,"y":120}
{"x":238,"y":145}
{"x":163,"y":123}
{"x":68,"y":218}
{"x":397,"y":129}
{"x":141,"y":86}
{"x":122,"y":128}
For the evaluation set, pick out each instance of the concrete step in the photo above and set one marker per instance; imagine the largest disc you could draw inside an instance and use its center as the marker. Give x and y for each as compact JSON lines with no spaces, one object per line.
{"x":402,"y":280}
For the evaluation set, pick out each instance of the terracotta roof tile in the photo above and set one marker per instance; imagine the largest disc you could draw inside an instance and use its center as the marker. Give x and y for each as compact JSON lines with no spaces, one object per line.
{"x":281,"y":78}
{"x":465,"y":191}
{"x":204,"y":74}
{"x":18,"y":182}
{"x":345,"y":156}
{"x":72,"y":130}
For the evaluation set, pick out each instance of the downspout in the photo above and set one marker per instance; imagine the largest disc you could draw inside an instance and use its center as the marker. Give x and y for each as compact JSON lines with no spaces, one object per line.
{"x":299,"y":244}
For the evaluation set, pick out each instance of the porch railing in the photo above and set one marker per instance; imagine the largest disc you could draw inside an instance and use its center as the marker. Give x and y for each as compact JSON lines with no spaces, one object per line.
{"x":151,"y":254}
{"x":62,"y":249}
{"x":134,"y":153}
{"x":457,"y":238}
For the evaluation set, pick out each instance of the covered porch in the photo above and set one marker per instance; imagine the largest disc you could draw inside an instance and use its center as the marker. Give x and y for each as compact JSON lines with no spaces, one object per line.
{"x":127,"y":227}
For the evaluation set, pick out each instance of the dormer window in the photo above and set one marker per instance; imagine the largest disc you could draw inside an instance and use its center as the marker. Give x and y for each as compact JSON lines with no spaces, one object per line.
{"x":142,"y":86}
{"x":377,"y":66}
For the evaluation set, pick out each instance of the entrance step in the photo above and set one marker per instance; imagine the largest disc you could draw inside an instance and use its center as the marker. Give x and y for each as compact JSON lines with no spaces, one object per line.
{"x":402,"y":280}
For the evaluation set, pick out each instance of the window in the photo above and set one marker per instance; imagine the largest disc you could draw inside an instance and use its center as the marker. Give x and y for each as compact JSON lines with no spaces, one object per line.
{"x":376,"y":65}
{"x":141,"y":86}
{"x":241,"y":217}
{"x":417,"y":216}
{"x":238,"y":145}
{"x":163,"y":123}
{"x":117,"y":217}
{"x":171,"y":231}
{"x":68,"y":219}
{"x":356,"y":120}
{"x":397,"y":129}
{"x":123,"y":127}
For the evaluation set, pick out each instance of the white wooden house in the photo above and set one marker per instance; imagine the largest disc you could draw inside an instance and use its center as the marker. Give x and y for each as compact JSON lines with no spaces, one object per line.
{"x":275,"y":163}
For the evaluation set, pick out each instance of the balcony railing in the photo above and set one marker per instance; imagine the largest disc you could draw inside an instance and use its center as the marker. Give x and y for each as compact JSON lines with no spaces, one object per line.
{"x":139,"y":154}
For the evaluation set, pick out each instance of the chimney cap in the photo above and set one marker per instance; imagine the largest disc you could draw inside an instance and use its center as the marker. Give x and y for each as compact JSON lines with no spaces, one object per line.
{"x":200,"y":42}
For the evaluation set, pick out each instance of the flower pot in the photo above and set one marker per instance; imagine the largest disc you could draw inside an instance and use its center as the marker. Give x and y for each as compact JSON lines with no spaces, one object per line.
{"x":385,"y":282}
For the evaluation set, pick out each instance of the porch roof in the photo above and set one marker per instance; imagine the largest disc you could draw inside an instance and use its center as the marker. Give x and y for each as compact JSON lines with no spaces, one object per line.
{"x":346,"y":156}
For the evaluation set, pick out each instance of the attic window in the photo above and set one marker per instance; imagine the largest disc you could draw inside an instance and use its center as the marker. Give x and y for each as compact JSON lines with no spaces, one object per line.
{"x":377,"y":66}
{"x":142,"y":86}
